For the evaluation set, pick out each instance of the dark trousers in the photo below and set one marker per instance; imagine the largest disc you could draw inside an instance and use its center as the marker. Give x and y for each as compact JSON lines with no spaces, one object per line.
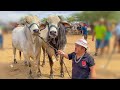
{"x":85,"y":37}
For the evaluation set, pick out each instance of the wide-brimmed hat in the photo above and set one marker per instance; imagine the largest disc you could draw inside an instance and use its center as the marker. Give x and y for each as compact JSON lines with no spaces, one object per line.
{"x":82,"y":42}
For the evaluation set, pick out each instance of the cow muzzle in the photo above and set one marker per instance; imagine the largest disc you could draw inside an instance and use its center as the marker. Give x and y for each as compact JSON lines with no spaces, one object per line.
{"x":36,"y":32}
{"x":53,"y":33}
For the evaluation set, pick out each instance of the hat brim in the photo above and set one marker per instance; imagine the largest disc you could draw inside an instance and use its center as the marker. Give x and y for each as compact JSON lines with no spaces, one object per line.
{"x":81,"y":45}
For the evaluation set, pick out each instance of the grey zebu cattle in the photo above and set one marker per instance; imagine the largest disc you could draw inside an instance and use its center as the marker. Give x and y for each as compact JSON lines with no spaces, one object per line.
{"x":55,"y":35}
{"x":26,"y":40}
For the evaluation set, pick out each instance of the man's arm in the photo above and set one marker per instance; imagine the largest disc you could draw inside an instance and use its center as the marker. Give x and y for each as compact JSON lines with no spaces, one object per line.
{"x":63,"y":53}
{"x":91,"y":64}
{"x":92,"y":72}
{"x":93,"y":35}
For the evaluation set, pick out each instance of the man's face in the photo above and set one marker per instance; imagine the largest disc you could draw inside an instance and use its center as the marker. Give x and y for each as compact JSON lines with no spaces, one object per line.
{"x":78,"y":48}
{"x":82,"y":24}
{"x":101,"y":22}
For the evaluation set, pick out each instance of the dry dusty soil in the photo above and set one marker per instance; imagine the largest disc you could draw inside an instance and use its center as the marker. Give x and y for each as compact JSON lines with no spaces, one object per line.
{"x":20,"y":71}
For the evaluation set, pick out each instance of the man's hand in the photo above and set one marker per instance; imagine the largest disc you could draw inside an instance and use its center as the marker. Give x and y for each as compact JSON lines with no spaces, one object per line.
{"x":92,"y":39}
{"x":61,"y":52}
{"x":93,"y":35}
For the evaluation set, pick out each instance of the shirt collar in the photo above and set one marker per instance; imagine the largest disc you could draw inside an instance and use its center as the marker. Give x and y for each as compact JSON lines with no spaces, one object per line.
{"x":85,"y":55}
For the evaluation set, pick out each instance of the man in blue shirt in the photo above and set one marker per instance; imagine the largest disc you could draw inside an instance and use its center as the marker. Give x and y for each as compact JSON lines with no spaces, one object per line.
{"x":83,"y":65}
{"x":84,"y":31}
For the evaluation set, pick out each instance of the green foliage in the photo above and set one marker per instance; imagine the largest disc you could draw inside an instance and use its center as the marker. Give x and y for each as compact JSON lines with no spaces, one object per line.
{"x":91,"y":16}
{"x":70,"y":19}
{"x":43,"y":20}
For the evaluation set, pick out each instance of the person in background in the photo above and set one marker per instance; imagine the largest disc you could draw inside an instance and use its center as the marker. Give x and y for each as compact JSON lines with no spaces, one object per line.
{"x":92,"y":27}
{"x":84,"y":31}
{"x":1,"y":38}
{"x":106,"y":41}
{"x":117,"y":37}
{"x":99,"y":31}
{"x":83,"y":65}
{"x":79,"y":27}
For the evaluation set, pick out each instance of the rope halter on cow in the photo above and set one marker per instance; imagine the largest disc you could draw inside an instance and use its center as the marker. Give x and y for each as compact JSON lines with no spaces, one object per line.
{"x":50,"y":26}
{"x":55,"y":55}
{"x":36,"y":33}
{"x":31,"y":25}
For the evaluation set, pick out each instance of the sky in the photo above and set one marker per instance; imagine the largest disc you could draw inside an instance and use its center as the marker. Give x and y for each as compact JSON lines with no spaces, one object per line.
{"x":7,"y":16}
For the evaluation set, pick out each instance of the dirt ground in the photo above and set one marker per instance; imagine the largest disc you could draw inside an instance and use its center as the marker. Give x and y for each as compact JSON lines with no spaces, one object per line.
{"x":19,"y":71}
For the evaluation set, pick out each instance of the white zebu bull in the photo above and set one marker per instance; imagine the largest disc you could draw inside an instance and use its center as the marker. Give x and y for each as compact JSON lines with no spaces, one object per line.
{"x":26,"y":40}
{"x":55,"y":35}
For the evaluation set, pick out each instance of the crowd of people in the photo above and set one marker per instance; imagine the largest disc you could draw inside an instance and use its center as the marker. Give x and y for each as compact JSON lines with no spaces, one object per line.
{"x":83,"y":65}
{"x":103,"y":31}
{"x":82,"y":28}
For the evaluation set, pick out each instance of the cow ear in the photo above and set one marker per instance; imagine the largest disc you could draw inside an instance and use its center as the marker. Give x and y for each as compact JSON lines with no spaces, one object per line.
{"x":66,"y":24}
{"x":42,"y":26}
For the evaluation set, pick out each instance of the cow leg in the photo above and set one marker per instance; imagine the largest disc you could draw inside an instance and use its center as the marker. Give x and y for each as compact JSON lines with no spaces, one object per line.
{"x":61,"y":64}
{"x":43,"y":63}
{"x":30,"y":71}
{"x":14,"y":53}
{"x":25,"y":61}
{"x":51,"y":67}
{"x":20,"y":54}
{"x":38,"y":66}
{"x":38,"y":69}
{"x":27,"y":58}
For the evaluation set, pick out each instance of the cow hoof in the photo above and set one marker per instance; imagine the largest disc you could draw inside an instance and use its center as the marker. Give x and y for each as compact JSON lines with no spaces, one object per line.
{"x":15,"y":61}
{"x":43,"y":65}
{"x":51,"y":76}
{"x":26,"y":64}
{"x":62,"y":75}
{"x":39,"y":75}
{"x":30,"y":77}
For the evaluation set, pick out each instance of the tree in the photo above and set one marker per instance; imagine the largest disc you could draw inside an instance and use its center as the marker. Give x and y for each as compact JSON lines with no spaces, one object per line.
{"x":70,"y":19}
{"x":91,"y":16}
{"x":21,"y":21}
{"x":43,"y":20}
